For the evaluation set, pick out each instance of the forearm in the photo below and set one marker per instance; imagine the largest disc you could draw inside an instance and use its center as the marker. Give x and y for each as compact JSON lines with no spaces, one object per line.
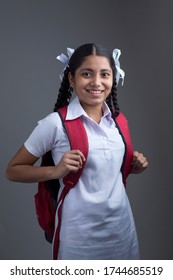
{"x":30,"y":174}
{"x":22,"y":167}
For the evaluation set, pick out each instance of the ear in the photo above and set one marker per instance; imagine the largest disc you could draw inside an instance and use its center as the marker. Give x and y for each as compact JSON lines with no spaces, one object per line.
{"x":71,"y":79}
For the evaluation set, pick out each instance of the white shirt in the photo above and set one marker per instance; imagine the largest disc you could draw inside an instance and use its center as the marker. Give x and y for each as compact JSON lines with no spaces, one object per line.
{"x":97,"y":222}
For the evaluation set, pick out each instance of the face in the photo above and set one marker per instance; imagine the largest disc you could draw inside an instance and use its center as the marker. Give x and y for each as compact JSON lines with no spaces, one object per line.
{"x":92,"y":81}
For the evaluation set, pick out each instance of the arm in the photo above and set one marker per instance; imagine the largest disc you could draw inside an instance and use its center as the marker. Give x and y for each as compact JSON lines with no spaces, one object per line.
{"x":21,"y":167}
{"x":139,"y":163}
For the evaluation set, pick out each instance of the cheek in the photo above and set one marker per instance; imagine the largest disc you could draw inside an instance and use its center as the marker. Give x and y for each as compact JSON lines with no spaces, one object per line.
{"x":109,"y":85}
{"x":79,"y":89}
{"x":80,"y":85}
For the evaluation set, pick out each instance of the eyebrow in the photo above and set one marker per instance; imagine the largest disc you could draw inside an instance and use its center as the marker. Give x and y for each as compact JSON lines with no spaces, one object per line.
{"x":89,"y":69}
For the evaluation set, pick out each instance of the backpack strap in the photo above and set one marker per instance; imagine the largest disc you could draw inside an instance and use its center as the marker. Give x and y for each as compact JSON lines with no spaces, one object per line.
{"x":78,"y":140}
{"x":122,"y":125}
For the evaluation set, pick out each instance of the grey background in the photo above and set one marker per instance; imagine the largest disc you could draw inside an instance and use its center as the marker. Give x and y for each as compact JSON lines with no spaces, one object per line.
{"x":32,"y":34}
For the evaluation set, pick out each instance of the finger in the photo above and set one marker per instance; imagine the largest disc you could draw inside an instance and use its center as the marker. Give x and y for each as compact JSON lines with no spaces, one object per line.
{"x":134,"y":157}
{"x":82,"y":155}
{"x":145,"y":164}
{"x":78,"y":161}
{"x":135,"y":154}
{"x":73,"y":159}
{"x":138,"y":159}
{"x":71,"y":162}
{"x":139,"y":169}
{"x":78,"y":153}
{"x":138,"y":166}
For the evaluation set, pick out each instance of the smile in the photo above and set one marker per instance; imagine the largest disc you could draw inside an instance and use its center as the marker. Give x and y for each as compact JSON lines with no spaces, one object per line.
{"x":95,"y":91}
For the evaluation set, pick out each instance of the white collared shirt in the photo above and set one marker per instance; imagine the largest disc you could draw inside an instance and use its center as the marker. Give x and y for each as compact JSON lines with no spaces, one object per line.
{"x":97,"y":222}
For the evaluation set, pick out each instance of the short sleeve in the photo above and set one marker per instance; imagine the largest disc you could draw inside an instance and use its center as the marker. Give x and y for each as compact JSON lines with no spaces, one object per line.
{"x":45,"y":135}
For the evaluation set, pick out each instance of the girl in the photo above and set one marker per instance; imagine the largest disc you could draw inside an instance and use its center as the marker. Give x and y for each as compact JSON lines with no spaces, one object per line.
{"x":97,"y":221}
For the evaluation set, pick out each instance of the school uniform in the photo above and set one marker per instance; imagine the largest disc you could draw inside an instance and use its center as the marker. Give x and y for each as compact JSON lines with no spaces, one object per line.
{"x":97,"y":221}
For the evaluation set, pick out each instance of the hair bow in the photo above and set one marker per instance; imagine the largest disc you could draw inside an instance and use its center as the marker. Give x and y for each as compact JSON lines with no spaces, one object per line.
{"x":65,"y":59}
{"x":120,"y":73}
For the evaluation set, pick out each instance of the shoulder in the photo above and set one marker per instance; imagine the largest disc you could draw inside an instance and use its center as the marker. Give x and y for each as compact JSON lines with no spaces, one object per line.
{"x":50,"y":118}
{"x":51,"y":121}
{"x":45,"y":135}
{"x":48,"y":127}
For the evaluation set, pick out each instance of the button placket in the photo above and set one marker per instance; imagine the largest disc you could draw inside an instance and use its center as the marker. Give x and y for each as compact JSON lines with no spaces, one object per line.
{"x":107,"y":151}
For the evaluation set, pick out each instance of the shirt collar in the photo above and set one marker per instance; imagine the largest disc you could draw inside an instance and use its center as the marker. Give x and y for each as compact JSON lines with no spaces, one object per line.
{"x":75,"y":110}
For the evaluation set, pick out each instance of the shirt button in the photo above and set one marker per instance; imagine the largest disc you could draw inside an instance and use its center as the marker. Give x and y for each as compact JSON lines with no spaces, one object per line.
{"x":108,"y":154}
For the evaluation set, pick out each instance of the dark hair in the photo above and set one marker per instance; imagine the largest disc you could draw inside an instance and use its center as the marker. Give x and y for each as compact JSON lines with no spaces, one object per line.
{"x":75,"y":62}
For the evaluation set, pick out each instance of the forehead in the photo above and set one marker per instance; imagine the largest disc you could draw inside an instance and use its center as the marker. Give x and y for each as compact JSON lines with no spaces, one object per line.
{"x":95,"y":62}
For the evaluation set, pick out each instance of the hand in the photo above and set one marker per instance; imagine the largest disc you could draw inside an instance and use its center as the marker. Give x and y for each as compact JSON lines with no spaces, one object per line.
{"x":71,"y":161}
{"x":139,"y":163}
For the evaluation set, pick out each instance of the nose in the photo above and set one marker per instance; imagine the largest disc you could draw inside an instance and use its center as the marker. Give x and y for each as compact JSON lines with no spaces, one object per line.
{"x":96,"y":81}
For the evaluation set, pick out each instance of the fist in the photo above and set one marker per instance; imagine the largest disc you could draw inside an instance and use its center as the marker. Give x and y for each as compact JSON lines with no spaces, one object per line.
{"x":139,"y":163}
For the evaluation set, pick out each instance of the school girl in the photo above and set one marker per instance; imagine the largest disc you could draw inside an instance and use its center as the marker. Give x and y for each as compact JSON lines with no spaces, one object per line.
{"x":97,"y":221}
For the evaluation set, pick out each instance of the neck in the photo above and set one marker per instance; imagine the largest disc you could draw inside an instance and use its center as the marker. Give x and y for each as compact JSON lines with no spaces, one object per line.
{"x":94,"y":112}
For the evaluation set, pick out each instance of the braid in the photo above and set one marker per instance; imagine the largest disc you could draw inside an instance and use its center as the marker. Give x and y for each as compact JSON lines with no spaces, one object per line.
{"x":109,"y":103}
{"x":112,"y":101}
{"x":64,"y":92}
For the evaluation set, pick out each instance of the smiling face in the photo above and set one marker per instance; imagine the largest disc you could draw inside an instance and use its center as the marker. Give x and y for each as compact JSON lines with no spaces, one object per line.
{"x":92,"y":81}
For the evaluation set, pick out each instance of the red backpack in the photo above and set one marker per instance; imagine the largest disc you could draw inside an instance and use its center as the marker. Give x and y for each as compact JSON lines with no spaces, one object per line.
{"x":46,"y":198}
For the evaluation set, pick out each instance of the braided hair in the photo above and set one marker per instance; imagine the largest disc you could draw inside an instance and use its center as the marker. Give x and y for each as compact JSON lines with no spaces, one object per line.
{"x":75,"y":62}
{"x":64,"y":91}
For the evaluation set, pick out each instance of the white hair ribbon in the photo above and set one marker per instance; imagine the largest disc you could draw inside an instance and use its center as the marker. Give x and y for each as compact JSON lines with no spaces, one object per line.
{"x":65,"y":59}
{"x":120,"y":73}
{"x":116,"y":54}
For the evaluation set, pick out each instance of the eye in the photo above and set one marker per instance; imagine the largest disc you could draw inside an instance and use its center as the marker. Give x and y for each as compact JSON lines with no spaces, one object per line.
{"x":87,"y":74}
{"x":105,"y":74}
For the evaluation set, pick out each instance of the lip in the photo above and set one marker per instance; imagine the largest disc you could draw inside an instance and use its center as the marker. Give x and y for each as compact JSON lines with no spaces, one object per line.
{"x":94,"y":91}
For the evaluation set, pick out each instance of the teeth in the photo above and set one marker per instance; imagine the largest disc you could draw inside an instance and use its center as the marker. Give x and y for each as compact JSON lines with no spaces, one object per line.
{"x":95,"y":91}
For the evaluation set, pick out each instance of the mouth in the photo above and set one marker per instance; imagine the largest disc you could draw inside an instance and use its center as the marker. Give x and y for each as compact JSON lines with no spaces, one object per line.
{"x":95,"y":92}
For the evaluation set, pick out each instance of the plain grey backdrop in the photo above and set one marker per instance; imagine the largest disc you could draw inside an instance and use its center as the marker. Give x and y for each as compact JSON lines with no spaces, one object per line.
{"x":32,"y":34}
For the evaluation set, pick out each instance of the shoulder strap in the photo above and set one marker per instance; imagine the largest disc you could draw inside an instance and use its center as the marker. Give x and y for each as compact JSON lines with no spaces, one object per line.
{"x":122,"y":125}
{"x":78,"y":140}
